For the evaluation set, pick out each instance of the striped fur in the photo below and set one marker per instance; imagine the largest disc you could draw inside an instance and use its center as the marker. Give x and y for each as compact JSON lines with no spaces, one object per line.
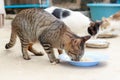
{"x":33,"y":25}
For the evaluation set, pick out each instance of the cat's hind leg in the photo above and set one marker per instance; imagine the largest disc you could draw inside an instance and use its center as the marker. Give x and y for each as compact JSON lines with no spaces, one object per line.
{"x":24,"y":45}
{"x":12,"y":40}
{"x":31,"y":49}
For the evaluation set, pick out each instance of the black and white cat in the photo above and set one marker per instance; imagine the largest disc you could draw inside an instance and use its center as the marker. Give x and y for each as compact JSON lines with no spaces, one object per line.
{"x":78,"y":22}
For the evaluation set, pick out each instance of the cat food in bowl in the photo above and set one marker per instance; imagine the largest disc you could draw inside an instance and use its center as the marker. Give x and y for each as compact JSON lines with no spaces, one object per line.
{"x":85,"y":62}
{"x":88,"y":60}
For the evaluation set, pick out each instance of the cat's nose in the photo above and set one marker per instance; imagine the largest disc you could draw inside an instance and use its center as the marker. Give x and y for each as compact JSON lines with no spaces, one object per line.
{"x":75,"y":59}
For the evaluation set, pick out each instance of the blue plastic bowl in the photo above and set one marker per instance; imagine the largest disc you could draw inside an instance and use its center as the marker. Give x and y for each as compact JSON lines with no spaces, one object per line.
{"x":96,"y":59}
{"x":84,"y":64}
{"x":99,"y":10}
{"x":118,"y":1}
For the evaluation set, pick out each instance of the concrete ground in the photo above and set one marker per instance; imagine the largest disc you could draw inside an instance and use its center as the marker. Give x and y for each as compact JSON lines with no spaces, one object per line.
{"x":14,"y":67}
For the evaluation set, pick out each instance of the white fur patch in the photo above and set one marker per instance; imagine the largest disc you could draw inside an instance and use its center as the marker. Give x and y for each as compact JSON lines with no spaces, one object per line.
{"x":76,"y":21}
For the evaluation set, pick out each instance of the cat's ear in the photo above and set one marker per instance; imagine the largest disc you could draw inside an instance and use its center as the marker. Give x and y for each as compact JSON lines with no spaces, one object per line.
{"x":92,"y":23}
{"x":75,"y":41}
{"x":85,"y":38}
{"x":105,"y":23}
{"x":104,"y":19}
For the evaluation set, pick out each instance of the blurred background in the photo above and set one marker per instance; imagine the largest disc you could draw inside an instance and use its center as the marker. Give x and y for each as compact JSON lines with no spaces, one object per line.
{"x":71,"y":4}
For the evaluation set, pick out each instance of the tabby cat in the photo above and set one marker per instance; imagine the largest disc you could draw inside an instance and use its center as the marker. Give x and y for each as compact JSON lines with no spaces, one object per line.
{"x":32,"y":25}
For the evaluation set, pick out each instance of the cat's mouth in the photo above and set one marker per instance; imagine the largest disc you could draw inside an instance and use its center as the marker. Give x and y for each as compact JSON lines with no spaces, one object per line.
{"x":74,"y":57}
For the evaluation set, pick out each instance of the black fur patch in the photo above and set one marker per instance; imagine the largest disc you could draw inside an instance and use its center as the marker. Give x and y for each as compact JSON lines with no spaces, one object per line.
{"x":93,"y":28}
{"x":59,"y":13}
{"x":65,"y":13}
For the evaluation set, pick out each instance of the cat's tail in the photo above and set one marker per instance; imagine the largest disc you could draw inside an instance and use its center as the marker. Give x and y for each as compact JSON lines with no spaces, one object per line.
{"x":12,"y":40}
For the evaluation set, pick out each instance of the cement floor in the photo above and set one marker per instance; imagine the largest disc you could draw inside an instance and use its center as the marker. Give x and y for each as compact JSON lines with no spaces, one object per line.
{"x":14,"y":67}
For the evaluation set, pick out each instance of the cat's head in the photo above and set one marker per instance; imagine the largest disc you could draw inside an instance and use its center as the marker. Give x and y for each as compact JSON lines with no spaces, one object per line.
{"x":76,"y":47}
{"x":94,"y":28}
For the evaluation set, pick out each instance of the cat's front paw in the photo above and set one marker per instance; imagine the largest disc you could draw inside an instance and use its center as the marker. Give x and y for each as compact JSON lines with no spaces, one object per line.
{"x":26,"y":57}
{"x":56,"y":61}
